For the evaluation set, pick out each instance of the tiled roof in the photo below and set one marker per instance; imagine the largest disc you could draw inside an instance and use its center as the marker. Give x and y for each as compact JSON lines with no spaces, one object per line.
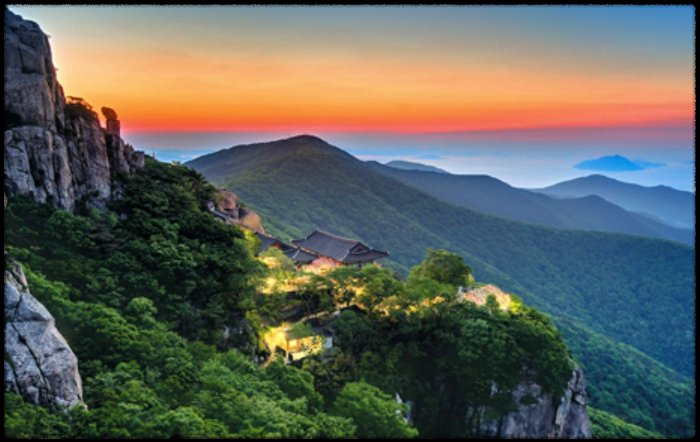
{"x":269,"y":241}
{"x":338,"y":248}
{"x":300,"y":256}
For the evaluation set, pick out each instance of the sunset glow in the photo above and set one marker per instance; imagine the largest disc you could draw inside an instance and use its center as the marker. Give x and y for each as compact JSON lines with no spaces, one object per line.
{"x":374,"y":69}
{"x":475,"y":87}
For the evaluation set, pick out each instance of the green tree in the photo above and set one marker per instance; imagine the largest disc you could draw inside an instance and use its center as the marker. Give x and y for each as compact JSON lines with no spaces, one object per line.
{"x":376,"y":414}
{"x":295,"y":383}
{"x":443,"y":267}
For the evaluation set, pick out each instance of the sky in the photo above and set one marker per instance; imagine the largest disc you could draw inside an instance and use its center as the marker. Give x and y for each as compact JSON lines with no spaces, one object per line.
{"x":520,"y":93}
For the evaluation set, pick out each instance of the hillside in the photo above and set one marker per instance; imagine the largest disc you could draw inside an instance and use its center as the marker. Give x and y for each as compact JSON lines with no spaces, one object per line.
{"x":492,"y":196}
{"x":164,"y":308}
{"x":630,"y":384}
{"x":670,"y":205}
{"x":610,"y":283}
{"x":588,"y":276}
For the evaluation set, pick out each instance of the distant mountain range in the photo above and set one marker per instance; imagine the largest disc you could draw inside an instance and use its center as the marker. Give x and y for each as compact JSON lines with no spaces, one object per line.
{"x":489,"y":195}
{"x":613,"y":163}
{"x":674,"y":207}
{"x":407,"y":165}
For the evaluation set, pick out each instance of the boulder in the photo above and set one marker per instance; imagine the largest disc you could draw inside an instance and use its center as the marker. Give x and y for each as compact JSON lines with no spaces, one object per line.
{"x":227,"y":201}
{"x":39,"y":364}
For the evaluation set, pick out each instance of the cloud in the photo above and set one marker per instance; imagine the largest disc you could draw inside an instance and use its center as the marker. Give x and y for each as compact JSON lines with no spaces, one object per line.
{"x":616,"y":163}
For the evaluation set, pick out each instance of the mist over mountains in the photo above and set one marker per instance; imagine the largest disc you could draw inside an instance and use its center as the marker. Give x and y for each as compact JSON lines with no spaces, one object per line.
{"x":588,"y":211}
{"x":675,"y":207}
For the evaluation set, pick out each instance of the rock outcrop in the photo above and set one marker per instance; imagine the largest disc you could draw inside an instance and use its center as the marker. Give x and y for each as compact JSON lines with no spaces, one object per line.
{"x":55,"y":151}
{"x":541,"y":415}
{"x":227,"y":209}
{"x":39,"y":364}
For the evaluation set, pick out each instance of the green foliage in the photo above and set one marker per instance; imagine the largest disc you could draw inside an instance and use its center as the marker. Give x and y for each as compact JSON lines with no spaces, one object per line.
{"x":253,"y":242}
{"x":300,"y":331}
{"x":376,"y":415}
{"x":449,"y":355}
{"x":164,"y":247}
{"x":25,"y":421}
{"x":278,"y":258}
{"x":296,"y":384}
{"x":127,"y":287}
{"x":443,"y":267}
{"x":631,"y":385}
{"x":606,"y":426}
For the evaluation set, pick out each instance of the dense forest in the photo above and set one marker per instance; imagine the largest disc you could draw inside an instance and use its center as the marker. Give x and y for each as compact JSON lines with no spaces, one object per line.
{"x":628,"y":289}
{"x":145,"y":291}
{"x":607,"y":426}
{"x":644,"y":392}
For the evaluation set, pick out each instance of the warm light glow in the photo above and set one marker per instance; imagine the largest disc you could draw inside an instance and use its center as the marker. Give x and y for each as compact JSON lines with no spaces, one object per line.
{"x":368,"y":69}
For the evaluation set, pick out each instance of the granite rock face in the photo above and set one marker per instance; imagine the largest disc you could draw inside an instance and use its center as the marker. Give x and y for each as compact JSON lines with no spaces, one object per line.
{"x":227,"y":209}
{"x":39,"y":364}
{"x":541,"y":415}
{"x":55,"y":151}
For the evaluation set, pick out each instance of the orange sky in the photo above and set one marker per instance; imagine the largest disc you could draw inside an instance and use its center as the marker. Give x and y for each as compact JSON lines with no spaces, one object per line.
{"x":411,"y":70}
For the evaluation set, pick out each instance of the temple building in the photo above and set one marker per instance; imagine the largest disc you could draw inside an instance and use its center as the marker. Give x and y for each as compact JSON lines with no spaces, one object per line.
{"x":299,"y":256}
{"x":335,"y":251}
{"x":297,"y":341}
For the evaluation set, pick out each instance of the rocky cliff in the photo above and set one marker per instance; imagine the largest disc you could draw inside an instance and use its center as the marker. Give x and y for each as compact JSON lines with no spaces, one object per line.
{"x":55,"y":150}
{"x":540,"y":415}
{"x":39,"y":364}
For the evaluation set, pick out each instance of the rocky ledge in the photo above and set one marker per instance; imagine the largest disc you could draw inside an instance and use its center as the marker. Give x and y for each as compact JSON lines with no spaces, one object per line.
{"x":55,"y":149}
{"x":541,"y":415}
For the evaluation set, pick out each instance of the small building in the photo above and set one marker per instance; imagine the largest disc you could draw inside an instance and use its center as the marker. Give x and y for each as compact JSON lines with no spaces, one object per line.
{"x":299,"y":347}
{"x":336,"y":251}
{"x":298,"y":341}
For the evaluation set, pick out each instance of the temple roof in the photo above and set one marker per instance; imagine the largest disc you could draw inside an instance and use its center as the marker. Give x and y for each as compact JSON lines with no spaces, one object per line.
{"x":294,"y":253}
{"x":300,"y":256}
{"x":270,"y":241}
{"x":350,"y":251}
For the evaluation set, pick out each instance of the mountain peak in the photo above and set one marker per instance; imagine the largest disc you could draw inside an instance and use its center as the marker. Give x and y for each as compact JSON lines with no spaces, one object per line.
{"x":301,"y":140}
{"x":613,"y":163}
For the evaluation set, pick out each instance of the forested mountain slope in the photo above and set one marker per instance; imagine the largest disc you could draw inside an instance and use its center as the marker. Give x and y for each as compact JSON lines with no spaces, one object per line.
{"x":620,"y":288}
{"x":632,"y":289}
{"x":489,"y":195}
{"x":670,"y":205}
